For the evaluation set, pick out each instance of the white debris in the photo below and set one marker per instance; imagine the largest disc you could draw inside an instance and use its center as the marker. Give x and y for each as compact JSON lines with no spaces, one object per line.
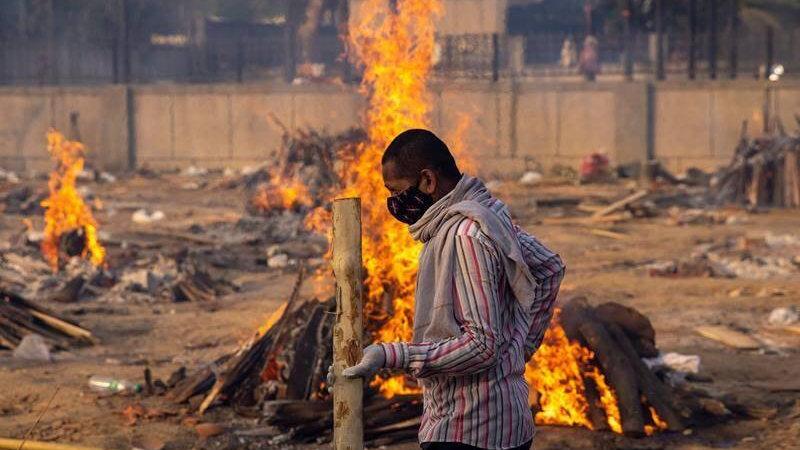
{"x":228,"y":172}
{"x":107,"y":177}
{"x":278,"y":261}
{"x":782,"y":240}
{"x":33,"y":347}
{"x":194,"y":171}
{"x":86,"y":175}
{"x":530,"y":178}
{"x":190,"y":186}
{"x":144,"y":216}
{"x":9,"y":176}
{"x":783,"y":316}
{"x":675,"y":361}
{"x":249,"y":170}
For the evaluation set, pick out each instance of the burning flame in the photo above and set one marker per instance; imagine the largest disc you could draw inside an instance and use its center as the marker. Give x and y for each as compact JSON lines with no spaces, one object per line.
{"x":65,"y":210}
{"x":557,"y":372}
{"x":395,"y":48}
{"x":282,"y":193}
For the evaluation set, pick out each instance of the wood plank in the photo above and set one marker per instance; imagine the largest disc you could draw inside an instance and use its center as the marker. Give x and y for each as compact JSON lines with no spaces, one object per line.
{"x":609,"y":234}
{"x":727,"y":336}
{"x":621,"y":203}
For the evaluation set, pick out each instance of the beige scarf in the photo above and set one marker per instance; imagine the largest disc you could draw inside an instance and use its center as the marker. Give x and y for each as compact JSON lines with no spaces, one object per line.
{"x":434,"y":318}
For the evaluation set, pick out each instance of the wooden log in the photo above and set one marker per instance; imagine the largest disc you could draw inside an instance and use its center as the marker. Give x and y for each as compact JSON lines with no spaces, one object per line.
{"x":657,"y":393}
{"x":348,"y":427}
{"x":619,"y":374}
{"x":728,"y":336}
{"x":620,"y":204}
{"x":635,"y":324}
{"x":596,"y":414}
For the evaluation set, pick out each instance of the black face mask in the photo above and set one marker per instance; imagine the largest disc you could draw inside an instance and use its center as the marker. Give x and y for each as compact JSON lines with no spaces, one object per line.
{"x":408,"y":206}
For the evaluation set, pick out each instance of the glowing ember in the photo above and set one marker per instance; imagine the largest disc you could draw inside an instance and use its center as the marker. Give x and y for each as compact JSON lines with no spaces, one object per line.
{"x":65,"y":210}
{"x":281,"y":194}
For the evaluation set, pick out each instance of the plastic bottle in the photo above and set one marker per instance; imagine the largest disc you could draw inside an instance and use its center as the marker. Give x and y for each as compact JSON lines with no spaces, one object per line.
{"x":109,"y":385}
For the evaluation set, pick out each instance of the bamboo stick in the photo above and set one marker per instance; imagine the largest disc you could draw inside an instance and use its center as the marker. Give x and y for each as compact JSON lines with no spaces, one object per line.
{"x":620,"y":204}
{"x":348,"y":426}
{"x":17,"y":444}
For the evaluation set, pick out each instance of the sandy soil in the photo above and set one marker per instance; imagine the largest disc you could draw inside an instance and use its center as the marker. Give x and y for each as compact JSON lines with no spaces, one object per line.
{"x":164,"y":336}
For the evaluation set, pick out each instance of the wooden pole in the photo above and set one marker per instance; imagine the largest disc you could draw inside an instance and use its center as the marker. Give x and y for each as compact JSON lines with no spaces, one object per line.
{"x":692,"y":39}
{"x":660,"y":40}
{"x":348,"y":426}
{"x":713,"y":40}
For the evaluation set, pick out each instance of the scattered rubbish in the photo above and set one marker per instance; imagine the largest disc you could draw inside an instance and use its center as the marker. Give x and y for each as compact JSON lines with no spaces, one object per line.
{"x":9,"y":176}
{"x":278,"y":261}
{"x":110,"y":385}
{"x":34,"y":348}
{"x":728,"y":336}
{"x":531,"y":178}
{"x":784,"y":316}
{"x":107,"y":177}
{"x":207,"y":430}
{"x":143,"y":216}
{"x":676,"y":362}
{"x":194,"y":171}
{"x":595,"y":167}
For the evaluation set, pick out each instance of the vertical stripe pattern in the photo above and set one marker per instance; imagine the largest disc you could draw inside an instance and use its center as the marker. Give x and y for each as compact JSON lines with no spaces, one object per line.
{"x":473,"y":387}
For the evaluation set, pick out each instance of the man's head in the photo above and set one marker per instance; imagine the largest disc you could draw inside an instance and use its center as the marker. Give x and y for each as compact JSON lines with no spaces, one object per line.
{"x":418,"y":169}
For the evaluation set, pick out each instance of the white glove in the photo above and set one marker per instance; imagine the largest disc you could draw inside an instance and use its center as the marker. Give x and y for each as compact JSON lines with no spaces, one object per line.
{"x":374,"y":358}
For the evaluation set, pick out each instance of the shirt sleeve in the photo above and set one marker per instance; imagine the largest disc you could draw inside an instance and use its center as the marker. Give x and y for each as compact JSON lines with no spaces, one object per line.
{"x":548,"y":269}
{"x":476,"y":309}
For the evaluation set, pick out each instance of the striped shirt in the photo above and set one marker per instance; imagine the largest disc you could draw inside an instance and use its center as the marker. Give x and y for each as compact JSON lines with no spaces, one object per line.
{"x":474,"y":391}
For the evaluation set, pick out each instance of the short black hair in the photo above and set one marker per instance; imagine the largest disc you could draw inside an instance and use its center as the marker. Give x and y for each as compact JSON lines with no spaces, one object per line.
{"x":417,"y":149}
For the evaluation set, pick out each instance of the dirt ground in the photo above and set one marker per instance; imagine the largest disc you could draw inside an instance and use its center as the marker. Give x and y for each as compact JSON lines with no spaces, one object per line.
{"x":164,"y":336}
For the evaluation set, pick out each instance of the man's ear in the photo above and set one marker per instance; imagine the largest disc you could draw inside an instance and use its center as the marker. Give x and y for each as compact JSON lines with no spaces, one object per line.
{"x":428,"y":181}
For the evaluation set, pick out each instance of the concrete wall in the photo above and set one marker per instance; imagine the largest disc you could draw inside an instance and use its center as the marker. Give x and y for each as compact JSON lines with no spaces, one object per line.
{"x":232,"y":125}
{"x":27,"y":113}
{"x":506,"y":127}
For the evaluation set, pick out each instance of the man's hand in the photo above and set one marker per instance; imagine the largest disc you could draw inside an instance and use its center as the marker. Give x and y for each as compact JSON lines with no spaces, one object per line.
{"x":374,"y":358}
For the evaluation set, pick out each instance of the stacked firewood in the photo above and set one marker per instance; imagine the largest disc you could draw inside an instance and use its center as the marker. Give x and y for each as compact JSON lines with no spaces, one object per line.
{"x":20,"y":317}
{"x":764,"y":172}
{"x":279,"y":375}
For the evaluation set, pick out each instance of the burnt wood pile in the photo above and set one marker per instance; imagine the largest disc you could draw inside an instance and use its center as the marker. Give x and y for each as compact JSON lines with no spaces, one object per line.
{"x":764,"y":172}
{"x":20,"y":317}
{"x":280,"y":376}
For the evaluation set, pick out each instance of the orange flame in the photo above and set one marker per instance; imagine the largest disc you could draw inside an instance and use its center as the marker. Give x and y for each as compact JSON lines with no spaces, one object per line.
{"x":395,"y":48}
{"x":281,"y":193}
{"x":557,"y":371}
{"x":65,"y":209}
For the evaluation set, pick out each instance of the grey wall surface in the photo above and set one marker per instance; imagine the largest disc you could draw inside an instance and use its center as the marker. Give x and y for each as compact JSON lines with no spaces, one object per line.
{"x":506,"y":127}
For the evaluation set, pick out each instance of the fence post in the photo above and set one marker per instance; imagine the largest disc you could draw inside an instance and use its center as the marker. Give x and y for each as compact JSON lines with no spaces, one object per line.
{"x":712,"y":40}
{"x":348,"y":426}
{"x":770,"y":53}
{"x":693,"y":39}
{"x":495,"y":57}
{"x":626,"y":14}
{"x":659,"y":39}
{"x":733,"y":57}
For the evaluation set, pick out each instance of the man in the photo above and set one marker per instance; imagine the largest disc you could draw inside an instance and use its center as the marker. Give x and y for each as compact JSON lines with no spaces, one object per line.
{"x":484,"y":297}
